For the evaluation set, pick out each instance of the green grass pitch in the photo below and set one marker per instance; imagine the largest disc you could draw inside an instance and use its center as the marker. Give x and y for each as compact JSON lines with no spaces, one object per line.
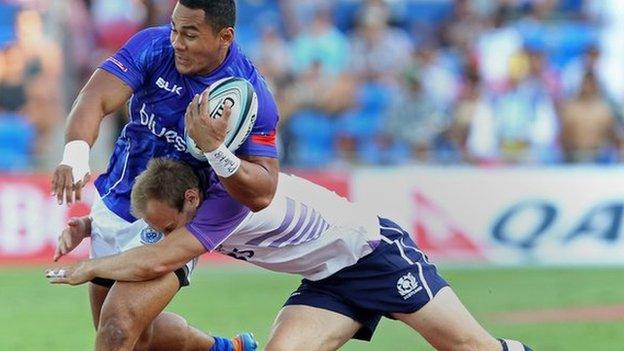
{"x":35,"y":316}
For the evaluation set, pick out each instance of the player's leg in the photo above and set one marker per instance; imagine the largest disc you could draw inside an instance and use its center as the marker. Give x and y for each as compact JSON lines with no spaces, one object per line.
{"x":129,"y":309}
{"x":447,"y":325}
{"x":299,"y":327}
{"x":97,"y":295}
{"x":168,"y":331}
{"x":426,"y":302}
{"x":172,"y":332}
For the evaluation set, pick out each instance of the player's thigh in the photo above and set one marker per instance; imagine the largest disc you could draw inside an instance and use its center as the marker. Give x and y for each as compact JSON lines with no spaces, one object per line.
{"x":136,"y":304}
{"x":447,"y":324}
{"x":299,"y":327}
{"x":97,"y":295}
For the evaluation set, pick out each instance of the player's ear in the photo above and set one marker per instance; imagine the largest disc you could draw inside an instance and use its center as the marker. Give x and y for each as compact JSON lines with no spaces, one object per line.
{"x":226,"y":36}
{"x":192,"y":197}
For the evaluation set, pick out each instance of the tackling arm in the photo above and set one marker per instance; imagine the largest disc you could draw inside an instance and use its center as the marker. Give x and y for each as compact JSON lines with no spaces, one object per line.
{"x":139,"y":264}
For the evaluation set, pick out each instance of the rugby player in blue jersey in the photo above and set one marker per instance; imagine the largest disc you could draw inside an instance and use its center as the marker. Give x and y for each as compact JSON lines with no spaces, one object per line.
{"x":158,"y":73}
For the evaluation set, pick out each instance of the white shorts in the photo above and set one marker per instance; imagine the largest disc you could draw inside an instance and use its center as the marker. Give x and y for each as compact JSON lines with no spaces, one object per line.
{"x":111,"y":234}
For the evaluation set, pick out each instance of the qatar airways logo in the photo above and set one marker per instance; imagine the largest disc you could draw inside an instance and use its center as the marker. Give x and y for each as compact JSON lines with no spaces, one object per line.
{"x":170,"y":135}
{"x":163,"y":84}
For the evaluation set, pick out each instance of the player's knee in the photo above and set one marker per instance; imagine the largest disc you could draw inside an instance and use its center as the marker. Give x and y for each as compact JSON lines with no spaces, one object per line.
{"x":115,"y":333}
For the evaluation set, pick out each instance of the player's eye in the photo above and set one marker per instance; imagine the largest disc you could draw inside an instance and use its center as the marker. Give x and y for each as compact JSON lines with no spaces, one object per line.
{"x":191,"y":36}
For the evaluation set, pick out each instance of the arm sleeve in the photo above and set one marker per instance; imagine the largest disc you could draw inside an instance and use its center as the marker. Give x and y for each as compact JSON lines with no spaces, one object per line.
{"x":132,"y":61}
{"x":262,"y":139}
{"x":217,"y":218}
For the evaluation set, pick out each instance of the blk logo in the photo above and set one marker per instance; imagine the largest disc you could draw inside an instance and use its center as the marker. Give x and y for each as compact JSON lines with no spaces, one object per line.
{"x":163,"y":84}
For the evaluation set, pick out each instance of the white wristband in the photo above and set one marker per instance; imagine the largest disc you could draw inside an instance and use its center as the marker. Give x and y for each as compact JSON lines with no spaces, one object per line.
{"x":76,"y":156}
{"x":223,"y":161}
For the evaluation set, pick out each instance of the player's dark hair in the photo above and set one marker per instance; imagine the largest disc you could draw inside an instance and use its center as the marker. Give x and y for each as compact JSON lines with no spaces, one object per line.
{"x":218,"y":13}
{"x":164,"y":180}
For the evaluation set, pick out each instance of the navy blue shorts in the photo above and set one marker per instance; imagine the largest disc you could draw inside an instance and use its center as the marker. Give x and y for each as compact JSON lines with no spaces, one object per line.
{"x":395,"y":278}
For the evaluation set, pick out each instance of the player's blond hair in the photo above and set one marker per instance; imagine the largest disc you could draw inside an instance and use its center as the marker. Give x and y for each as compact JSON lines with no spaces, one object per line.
{"x":164,"y":180}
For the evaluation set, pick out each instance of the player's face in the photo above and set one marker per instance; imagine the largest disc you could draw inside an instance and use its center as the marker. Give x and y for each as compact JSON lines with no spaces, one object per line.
{"x":198,"y":48}
{"x":164,"y":218}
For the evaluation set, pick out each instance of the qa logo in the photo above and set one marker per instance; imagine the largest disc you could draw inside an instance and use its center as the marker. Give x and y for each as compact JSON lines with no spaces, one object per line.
{"x":408,"y":286}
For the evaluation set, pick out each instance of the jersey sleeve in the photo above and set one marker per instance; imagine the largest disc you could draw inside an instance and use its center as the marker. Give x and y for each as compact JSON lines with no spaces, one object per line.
{"x":216,"y":219}
{"x":262,"y":139}
{"x":131,"y":63}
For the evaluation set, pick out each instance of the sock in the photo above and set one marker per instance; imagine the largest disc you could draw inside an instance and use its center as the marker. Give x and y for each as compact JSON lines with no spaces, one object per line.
{"x":513,"y":345}
{"x":222,"y":344}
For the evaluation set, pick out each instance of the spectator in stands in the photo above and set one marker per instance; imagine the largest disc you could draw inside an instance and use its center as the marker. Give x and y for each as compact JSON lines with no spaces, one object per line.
{"x":473,"y":129}
{"x":13,"y":77}
{"x":574,"y":72}
{"x":463,"y":27}
{"x":590,"y":131}
{"x":272,"y":55}
{"x":297,"y":14}
{"x":495,"y":46}
{"x":412,"y":118}
{"x":16,"y":134}
{"x":321,"y":41}
{"x":525,"y":114}
{"x":372,"y":43}
{"x":43,"y":69}
{"x":439,"y":83}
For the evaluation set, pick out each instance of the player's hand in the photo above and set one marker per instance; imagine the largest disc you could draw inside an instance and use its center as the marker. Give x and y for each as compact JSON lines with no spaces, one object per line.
{"x":64,"y":187}
{"x":207,"y":132}
{"x":77,"y":229}
{"x":75,"y":274}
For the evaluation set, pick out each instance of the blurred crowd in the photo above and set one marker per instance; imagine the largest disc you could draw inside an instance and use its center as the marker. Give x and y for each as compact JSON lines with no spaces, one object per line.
{"x":359,"y":82}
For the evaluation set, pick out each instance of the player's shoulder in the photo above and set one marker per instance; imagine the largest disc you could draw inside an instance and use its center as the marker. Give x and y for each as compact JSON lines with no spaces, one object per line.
{"x":151,"y":39}
{"x":151,"y":47}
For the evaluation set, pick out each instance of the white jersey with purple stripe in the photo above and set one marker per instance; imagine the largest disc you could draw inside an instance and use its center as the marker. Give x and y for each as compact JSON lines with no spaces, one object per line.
{"x":156,"y":110}
{"x":306,"y":229}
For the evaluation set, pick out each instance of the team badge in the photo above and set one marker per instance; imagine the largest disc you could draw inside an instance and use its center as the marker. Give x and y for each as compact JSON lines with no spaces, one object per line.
{"x":150,"y":236}
{"x":408,"y":286}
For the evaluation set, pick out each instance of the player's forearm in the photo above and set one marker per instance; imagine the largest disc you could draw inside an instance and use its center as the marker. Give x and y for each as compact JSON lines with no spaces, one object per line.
{"x":253,"y":185}
{"x":139,"y":264}
{"x":85,"y":117}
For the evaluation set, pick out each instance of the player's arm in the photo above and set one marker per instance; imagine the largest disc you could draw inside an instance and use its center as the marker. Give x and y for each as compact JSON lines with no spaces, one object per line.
{"x":103,"y":94}
{"x":251,"y":180}
{"x":254,"y":183}
{"x":139,"y":264}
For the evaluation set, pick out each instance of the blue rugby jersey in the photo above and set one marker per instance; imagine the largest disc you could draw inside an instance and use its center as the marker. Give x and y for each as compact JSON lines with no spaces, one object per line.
{"x":156,"y":113}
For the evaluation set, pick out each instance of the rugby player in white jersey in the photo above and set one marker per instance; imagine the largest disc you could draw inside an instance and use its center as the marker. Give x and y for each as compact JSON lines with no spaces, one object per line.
{"x":357,"y":267}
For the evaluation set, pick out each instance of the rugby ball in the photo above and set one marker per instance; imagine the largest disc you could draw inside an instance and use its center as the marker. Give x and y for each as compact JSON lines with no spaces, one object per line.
{"x":244,"y":101}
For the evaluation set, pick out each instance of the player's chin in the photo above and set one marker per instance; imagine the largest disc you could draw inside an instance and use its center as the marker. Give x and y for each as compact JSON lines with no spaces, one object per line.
{"x":183,"y":67}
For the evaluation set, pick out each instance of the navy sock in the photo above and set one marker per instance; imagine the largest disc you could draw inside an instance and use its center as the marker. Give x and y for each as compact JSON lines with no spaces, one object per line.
{"x":222,"y":344}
